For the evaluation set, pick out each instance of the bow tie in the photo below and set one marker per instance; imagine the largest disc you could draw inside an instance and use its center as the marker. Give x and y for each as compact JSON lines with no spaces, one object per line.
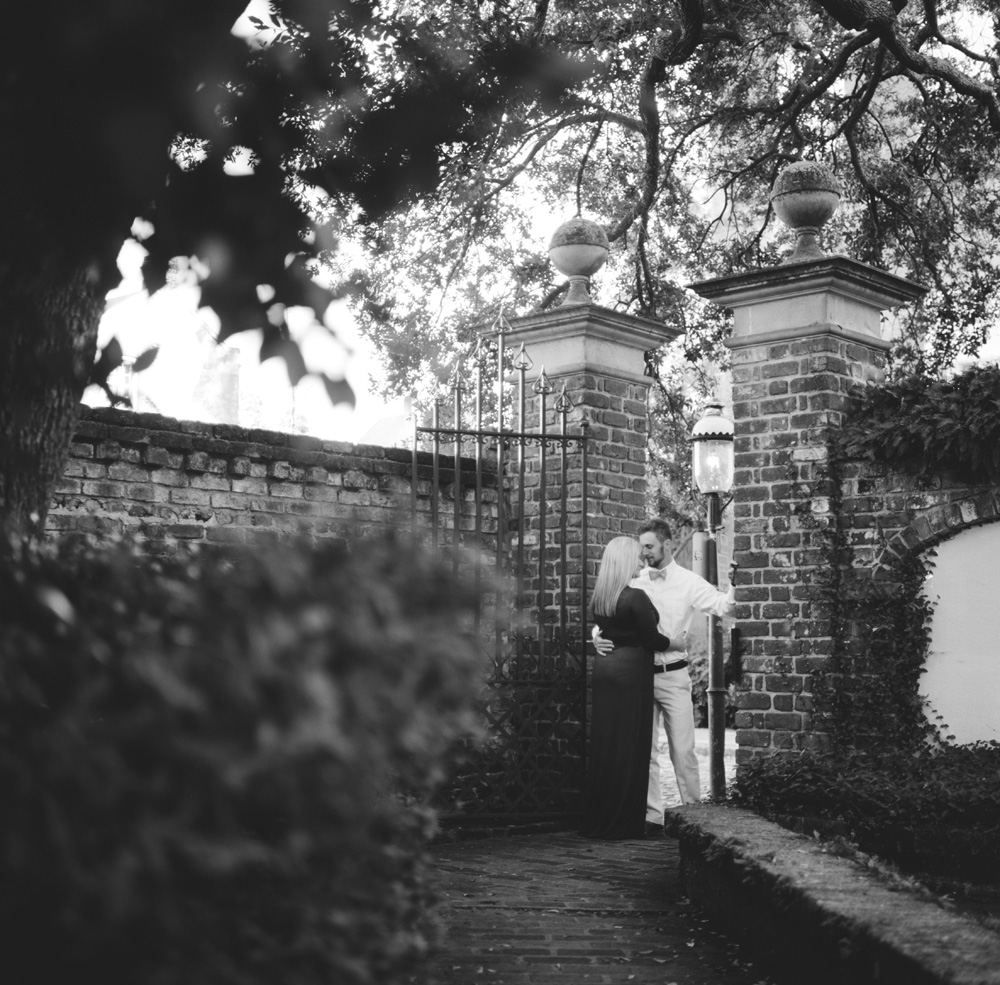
{"x":657,"y":573}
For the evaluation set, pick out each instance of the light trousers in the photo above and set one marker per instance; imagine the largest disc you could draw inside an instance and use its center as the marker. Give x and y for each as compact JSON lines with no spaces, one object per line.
{"x":672,"y":705}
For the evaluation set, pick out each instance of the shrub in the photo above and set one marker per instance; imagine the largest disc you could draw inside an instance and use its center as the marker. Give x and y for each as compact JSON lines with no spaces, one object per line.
{"x":698,"y":668}
{"x":201,"y":761}
{"x":928,"y":426}
{"x":934,"y":812}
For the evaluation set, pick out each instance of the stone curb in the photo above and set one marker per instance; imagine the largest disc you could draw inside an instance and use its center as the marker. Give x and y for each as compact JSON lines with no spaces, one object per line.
{"x":800,"y":907}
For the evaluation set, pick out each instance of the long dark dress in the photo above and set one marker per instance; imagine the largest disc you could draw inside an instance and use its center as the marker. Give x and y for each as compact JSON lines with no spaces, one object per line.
{"x":622,"y":720}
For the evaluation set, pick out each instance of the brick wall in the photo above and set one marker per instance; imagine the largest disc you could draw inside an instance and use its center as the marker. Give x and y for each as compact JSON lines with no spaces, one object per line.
{"x":172,"y":481}
{"x":787,"y":398}
{"x":786,"y":395}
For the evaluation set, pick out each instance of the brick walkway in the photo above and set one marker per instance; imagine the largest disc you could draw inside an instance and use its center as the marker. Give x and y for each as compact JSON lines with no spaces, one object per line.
{"x":558,"y":909}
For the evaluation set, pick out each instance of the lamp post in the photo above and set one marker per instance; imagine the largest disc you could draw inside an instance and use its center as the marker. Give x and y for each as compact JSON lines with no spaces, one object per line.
{"x":712,"y":467}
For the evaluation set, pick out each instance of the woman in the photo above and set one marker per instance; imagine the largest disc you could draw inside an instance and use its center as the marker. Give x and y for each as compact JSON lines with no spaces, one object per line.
{"x":622,"y":703}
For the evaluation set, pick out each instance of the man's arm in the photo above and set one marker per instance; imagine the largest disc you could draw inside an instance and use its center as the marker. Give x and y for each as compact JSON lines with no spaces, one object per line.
{"x":604,"y":647}
{"x":601,"y":645}
{"x":705,"y":597}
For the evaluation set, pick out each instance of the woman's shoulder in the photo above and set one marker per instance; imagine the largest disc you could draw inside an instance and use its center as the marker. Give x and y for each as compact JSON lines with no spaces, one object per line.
{"x":634,"y":596}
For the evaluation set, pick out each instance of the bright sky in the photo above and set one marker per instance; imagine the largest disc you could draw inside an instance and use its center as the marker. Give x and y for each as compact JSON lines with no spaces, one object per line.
{"x":191,"y":368}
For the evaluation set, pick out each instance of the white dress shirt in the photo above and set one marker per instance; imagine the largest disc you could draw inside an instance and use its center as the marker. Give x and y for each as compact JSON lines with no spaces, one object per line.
{"x":677,"y":596}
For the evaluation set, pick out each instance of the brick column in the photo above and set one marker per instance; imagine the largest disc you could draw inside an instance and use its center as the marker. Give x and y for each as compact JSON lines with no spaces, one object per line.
{"x":598,"y":354}
{"x":804,"y":335}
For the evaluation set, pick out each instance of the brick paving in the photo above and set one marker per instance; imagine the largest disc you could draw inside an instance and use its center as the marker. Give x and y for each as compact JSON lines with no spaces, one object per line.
{"x":555,"y":909}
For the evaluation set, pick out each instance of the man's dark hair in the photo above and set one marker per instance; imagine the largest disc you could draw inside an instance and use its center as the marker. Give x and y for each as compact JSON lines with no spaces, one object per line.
{"x":659,"y":527}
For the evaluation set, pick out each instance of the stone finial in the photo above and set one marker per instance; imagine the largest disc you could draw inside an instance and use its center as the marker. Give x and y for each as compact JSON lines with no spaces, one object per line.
{"x":805,"y":195}
{"x":578,"y":250}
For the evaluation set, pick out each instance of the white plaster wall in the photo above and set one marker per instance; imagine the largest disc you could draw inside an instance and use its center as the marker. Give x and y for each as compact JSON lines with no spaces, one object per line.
{"x":962,"y":675}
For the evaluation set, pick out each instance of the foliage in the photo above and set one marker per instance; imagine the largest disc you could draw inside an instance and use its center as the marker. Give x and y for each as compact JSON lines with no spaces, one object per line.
{"x":202,"y":761}
{"x":699,"y":670}
{"x":401,"y":154}
{"x":677,"y":392}
{"x":673,"y":139}
{"x":242,"y":149}
{"x":925,"y":426}
{"x":247,"y":147}
{"x":936,"y":811}
{"x":868,"y":695}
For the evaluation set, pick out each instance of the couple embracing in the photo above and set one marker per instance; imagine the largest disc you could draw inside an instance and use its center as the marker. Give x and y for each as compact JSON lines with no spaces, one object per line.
{"x":642,"y":604}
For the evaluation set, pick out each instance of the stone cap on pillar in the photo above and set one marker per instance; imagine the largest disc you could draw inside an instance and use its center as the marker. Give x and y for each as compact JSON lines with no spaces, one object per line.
{"x":588,"y":338}
{"x":834,"y":294}
{"x":810,"y":293}
{"x":580,"y":336}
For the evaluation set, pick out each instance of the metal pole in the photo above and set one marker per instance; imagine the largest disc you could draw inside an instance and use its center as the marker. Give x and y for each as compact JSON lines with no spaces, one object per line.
{"x":499,"y":627}
{"x":522,"y":363}
{"x":479,"y":480}
{"x":563,"y":406}
{"x":413,"y":484}
{"x":435,"y":473}
{"x":716,"y":670}
{"x":457,"y":464}
{"x":584,"y":554}
{"x":543,"y":388}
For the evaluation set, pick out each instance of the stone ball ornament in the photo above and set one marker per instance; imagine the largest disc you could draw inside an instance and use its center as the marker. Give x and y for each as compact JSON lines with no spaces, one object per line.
{"x":578,"y":249}
{"x":804,"y":197}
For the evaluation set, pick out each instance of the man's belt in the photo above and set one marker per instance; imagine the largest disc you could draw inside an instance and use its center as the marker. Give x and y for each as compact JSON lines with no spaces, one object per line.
{"x":676,"y":665}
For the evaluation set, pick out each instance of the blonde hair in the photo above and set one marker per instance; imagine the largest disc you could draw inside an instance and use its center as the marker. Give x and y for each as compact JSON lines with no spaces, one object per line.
{"x":618,"y":564}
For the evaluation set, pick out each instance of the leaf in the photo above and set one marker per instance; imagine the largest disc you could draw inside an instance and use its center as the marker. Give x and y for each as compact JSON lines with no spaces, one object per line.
{"x":339,"y":391}
{"x":274,"y":345}
{"x":56,"y":602}
{"x":146,"y":359}
{"x":108,"y":361}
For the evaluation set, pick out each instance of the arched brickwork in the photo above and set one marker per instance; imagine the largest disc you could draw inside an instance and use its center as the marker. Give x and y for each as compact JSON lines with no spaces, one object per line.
{"x":890,"y":516}
{"x":941,"y":522}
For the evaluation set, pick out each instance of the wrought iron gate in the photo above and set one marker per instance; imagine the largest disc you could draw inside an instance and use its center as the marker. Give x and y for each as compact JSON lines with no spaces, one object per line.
{"x":518,"y":526}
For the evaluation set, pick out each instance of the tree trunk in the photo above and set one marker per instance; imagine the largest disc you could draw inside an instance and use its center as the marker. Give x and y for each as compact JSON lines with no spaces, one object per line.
{"x":50,"y":309}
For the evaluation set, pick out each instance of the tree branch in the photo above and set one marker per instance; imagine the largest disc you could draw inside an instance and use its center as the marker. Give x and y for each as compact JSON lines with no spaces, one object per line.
{"x":672,"y":46}
{"x":880,"y":17}
{"x":541,"y":13}
{"x":499,"y":184}
{"x":583,"y":165}
{"x":866,"y":97}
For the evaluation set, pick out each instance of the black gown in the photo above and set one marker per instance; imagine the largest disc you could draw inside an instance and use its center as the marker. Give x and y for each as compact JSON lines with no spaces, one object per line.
{"x":622,"y":720}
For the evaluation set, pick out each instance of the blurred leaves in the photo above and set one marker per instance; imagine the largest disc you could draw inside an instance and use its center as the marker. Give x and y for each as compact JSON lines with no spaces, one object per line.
{"x":202,"y":760}
{"x":146,"y":360}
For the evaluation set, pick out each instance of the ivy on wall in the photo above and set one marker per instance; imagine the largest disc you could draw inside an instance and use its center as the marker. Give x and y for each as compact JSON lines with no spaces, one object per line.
{"x":865,"y":697}
{"x":922,"y":425}
{"x":889,"y":779}
{"x":915,"y":426}
{"x":869,"y":695}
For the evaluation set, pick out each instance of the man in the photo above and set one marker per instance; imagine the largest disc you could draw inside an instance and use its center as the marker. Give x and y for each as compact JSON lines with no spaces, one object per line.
{"x":677,"y":594}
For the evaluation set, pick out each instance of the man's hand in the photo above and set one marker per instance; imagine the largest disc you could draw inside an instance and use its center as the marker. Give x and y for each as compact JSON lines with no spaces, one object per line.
{"x":601,"y":645}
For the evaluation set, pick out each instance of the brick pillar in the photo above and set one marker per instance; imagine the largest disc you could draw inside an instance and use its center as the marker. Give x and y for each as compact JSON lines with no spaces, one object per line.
{"x":804,"y":335}
{"x":598,"y":354}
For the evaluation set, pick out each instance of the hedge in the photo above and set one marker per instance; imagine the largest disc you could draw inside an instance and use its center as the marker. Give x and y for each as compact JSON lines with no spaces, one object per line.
{"x":212,"y":769}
